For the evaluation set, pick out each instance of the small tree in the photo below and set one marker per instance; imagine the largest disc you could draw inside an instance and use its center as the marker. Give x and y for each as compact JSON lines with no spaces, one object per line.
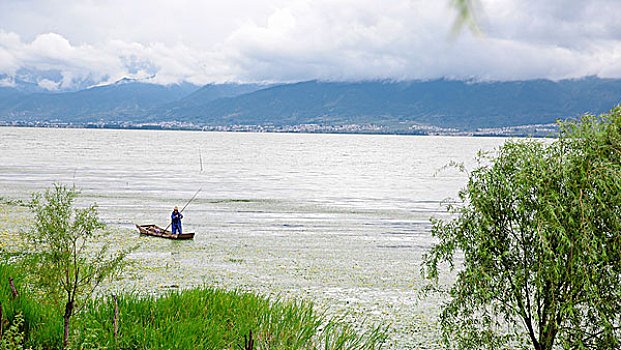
{"x":540,"y":233}
{"x":63,"y":257}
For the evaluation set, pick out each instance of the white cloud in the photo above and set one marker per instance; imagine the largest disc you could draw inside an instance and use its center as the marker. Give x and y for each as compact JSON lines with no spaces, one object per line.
{"x":7,"y":82}
{"x":48,"y":84}
{"x":111,"y":61}
{"x":167,"y":41}
{"x":9,"y":42}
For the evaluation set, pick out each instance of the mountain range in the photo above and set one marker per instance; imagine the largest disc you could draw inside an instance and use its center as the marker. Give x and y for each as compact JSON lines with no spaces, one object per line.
{"x":439,"y":103}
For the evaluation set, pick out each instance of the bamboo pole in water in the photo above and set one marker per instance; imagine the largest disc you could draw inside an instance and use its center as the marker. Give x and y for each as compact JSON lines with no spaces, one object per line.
{"x":116,"y":316}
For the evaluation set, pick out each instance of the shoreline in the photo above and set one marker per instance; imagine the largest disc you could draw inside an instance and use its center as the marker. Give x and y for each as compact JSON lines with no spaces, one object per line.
{"x":536,"y":131}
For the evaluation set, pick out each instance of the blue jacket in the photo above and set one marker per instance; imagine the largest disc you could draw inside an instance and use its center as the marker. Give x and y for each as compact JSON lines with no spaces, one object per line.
{"x":176,"y":219}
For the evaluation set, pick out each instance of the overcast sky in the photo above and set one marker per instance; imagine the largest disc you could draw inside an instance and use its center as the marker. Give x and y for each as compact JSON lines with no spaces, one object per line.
{"x":166,"y":41}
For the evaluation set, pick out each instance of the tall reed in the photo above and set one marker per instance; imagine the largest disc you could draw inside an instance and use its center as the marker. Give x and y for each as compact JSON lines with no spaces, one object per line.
{"x":201,"y":318}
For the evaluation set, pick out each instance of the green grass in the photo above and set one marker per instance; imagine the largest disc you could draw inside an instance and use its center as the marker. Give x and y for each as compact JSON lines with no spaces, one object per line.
{"x":42,"y":320}
{"x":202,"y":318}
{"x":16,"y":202}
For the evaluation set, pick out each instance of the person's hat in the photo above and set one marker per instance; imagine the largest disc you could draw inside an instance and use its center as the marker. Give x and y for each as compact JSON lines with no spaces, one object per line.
{"x":176,"y":208}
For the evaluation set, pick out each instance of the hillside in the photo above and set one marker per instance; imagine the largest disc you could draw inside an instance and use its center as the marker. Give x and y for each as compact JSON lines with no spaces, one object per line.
{"x":122,"y":99}
{"x":441,"y":103}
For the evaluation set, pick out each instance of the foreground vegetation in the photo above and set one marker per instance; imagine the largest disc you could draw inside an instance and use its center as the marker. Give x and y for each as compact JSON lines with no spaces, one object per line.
{"x":60,"y":251}
{"x":203,"y":318}
{"x":47,"y":288}
{"x":540,"y":233}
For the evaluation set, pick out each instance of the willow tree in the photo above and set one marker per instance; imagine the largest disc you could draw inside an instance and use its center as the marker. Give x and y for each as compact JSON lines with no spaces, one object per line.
{"x":64,"y":255}
{"x":538,"y":244}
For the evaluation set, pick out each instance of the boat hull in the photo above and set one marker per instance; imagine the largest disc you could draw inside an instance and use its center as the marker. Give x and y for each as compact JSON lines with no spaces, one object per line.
{"x":156,"y":231}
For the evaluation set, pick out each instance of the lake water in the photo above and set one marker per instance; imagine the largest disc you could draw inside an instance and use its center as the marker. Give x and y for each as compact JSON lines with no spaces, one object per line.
{"x":341,"y":220}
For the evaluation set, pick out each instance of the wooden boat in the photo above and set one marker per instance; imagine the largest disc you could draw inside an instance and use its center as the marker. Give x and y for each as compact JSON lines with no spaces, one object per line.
{"x":156,"y":231}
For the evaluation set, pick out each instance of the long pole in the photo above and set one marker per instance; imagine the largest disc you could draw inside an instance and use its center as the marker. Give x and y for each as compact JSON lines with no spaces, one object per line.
{"x":190,"y":201}
{"x":116,"y":316}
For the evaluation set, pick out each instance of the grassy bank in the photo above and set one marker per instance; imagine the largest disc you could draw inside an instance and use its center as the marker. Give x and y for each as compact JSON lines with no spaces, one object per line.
{"x":203,"y":318}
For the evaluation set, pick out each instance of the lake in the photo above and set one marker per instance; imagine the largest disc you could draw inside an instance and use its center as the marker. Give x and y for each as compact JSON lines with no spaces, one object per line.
{"x":341,"y":220}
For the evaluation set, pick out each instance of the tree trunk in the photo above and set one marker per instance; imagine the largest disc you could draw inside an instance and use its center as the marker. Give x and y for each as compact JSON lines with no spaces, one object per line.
{"x":68,"y":312}
{"x":549,"y":339}
{"x":548,"y":334}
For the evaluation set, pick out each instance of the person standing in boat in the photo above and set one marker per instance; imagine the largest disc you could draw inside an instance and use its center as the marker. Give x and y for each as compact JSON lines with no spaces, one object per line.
{"x":176,"y":221}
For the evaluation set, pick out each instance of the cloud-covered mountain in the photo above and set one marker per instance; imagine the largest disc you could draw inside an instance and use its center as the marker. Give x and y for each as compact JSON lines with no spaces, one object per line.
{"x":125,"y":98}
{"x":209,"y":93}
{"x":443,"y":103}
{"x":9,"y":95}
